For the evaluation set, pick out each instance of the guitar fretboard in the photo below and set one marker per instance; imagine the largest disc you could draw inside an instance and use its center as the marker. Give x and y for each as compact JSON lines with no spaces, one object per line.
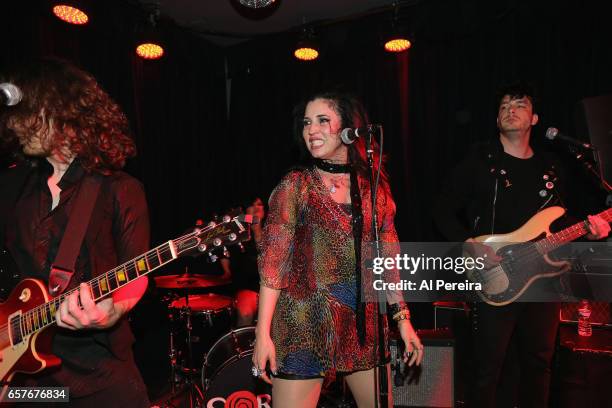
{"x":569,"y":234}
{"x":101,"y":286}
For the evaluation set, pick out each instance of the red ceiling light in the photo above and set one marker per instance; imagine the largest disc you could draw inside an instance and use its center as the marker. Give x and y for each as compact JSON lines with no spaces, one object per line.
{"x":396,"y":39}
{"x":148,"y":44}
{"x":150,"y":51}
{"x":397,"y":44}
{"x":306,"y":52}
{"x":306,"y":49}
{"x":70,"y":14}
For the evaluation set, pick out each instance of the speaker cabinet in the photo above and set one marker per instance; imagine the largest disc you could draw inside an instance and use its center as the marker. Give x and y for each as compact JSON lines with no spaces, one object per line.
{"x":584,"y":369}
{"x":433,"y":383}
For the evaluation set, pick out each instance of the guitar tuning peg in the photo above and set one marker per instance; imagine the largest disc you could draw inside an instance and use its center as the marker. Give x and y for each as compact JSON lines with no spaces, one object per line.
{"x":212,"y":257}
{"x":226,"y":252}
{"x":241,"y":247}
{"x":226,"y":218}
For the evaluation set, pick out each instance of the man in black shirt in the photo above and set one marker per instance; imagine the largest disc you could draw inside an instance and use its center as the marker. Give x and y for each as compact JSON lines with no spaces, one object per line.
{"x":495,"y":190}
{"x":71,"y":131}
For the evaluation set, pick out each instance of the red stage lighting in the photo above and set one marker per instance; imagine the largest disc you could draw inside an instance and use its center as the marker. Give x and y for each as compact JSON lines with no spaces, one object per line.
{"x":397,"y":44}
{"x":150,"y":51}
{"x":70,"y":14}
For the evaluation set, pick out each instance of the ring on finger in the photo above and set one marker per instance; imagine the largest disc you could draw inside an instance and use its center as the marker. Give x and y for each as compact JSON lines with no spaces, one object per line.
{"x":256,"y":372}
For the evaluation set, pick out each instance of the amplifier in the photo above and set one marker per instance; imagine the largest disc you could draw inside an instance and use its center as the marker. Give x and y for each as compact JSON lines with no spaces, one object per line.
{"x":433,"y":383}
{"x":584,"y":369}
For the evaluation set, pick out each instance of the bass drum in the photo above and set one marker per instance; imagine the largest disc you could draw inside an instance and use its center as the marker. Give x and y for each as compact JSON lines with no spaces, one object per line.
{"x":226,"y":375}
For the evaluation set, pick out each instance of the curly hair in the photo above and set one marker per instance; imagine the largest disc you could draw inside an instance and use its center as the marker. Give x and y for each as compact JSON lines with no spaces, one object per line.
{"x":353,"y":115}
{"x":67,"y":105}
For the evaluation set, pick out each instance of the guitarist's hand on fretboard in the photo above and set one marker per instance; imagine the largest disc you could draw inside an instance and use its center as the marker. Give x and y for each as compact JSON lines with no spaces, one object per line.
{"x":478,"y":250}
{"x":79,"y":311}
{"x":598,"y":227}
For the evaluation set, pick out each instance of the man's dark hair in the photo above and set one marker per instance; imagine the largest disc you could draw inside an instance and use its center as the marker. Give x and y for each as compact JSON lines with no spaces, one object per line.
{"x":517,"y":90}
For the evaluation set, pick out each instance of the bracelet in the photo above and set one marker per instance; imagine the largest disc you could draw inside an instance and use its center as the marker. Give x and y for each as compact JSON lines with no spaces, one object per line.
{"x":397,"y":307}
{"x":403,"y":314}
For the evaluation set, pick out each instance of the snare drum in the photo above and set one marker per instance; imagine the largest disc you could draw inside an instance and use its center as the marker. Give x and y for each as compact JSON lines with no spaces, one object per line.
{"x":226,"y":373}
{"x":211,"y":317}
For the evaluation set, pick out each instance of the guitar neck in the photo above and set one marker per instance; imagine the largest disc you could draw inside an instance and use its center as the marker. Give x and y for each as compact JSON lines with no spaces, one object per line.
{"x":102,"y":286}
{"x":569,"y":234}
{"x":230,"y":231}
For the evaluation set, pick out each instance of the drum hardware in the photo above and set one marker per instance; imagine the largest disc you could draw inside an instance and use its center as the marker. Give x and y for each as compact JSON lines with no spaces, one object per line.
{"x":195,"y":321}
{"x":226,"y":371}
{"x":189,"y":386}
{"x":189,"y":281}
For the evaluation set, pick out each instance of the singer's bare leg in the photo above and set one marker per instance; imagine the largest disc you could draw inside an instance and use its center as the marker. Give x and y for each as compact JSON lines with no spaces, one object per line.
{"x":361,"y":384}
{"x":296,"y":393}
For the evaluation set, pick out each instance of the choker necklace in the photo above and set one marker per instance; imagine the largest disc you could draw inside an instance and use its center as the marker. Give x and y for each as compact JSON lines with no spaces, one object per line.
{"x":332,"y":167}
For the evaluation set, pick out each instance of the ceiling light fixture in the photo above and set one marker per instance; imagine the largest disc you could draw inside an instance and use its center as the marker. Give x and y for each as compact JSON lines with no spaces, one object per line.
{"x":148,"y":45}
{"x":307,"y":48}
{"x":70,"y":12}
{"x":396,"y":39}
{"x":255,"y":4}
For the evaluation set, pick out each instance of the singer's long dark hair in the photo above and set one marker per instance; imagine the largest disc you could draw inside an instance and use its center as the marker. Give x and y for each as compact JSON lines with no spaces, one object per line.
{"x":84,"y":117}
{"x":352,"y":115}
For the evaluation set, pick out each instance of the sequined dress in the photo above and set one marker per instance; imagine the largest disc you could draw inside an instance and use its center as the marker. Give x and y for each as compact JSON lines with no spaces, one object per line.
{"x":307,"y":252}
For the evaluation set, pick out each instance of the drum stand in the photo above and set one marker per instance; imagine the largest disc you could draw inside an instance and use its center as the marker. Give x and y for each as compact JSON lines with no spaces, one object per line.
{"x":190,"y":388}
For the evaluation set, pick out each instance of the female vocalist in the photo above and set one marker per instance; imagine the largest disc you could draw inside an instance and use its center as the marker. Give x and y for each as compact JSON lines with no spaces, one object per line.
{"x":312,"y":320}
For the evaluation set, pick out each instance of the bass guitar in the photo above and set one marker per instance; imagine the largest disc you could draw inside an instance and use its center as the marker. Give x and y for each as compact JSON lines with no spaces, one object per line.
{"x":524,"y":254}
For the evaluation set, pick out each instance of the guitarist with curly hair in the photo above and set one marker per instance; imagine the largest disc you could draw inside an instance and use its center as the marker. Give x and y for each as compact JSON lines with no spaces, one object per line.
{"x":70,"y":131}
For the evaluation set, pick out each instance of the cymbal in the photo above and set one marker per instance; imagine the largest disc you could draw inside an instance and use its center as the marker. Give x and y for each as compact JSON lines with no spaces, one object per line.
{"x":188,"y":281}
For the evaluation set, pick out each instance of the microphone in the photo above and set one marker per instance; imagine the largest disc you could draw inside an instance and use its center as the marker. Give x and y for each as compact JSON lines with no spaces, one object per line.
{"x":553,"y":133}
{"x":349,"y":135}
{"x":10,"y":94}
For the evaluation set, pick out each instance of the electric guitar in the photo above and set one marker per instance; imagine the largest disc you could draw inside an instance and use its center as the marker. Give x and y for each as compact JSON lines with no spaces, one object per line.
{"x":524,"y":255}
{"x":25,"y":345}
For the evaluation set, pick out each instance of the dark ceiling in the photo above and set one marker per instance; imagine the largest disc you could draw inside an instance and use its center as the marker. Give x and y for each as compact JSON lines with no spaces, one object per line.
{"x":235,"y":22}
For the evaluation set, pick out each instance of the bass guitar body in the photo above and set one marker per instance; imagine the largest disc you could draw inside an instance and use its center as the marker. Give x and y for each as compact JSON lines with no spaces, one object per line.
{"x":521,"y":264}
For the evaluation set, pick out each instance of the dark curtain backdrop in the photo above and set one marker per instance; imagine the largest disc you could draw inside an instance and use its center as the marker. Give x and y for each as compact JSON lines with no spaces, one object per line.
{"x":433,"y":102}
{"x":176,"y":106}
{"x":213,"y":125}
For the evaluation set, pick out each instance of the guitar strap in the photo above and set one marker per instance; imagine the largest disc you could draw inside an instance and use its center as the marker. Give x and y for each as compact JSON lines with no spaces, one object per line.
{"x":62,"y":268}
{"x":492,"y":152}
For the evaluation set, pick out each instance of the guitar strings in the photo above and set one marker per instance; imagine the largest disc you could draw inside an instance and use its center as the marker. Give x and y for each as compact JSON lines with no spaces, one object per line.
{"x":162,"y":249}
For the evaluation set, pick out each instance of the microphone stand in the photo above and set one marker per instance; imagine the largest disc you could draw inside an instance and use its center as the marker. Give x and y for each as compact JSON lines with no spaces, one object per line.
{"x":380,"y":373}
{"x":596,"y":173}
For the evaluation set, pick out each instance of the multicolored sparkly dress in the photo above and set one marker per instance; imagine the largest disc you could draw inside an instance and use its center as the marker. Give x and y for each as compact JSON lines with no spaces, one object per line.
{"x":307,"y":252}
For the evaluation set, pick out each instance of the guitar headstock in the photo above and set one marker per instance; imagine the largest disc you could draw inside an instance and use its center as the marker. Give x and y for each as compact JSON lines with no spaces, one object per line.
{"x":231,"y":229}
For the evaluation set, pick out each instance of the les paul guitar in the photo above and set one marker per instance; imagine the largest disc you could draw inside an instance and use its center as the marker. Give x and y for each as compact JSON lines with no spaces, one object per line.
{"x":524,"y":254}
{"x":25,"y":345}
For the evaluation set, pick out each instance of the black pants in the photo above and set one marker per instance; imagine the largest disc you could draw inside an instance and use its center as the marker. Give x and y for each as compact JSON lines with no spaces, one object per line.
{"x":512,"y":350}
{"x":125,"y":388}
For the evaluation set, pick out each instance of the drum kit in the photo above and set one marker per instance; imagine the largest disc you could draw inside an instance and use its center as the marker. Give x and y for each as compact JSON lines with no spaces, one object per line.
{"x":210,"y":360}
